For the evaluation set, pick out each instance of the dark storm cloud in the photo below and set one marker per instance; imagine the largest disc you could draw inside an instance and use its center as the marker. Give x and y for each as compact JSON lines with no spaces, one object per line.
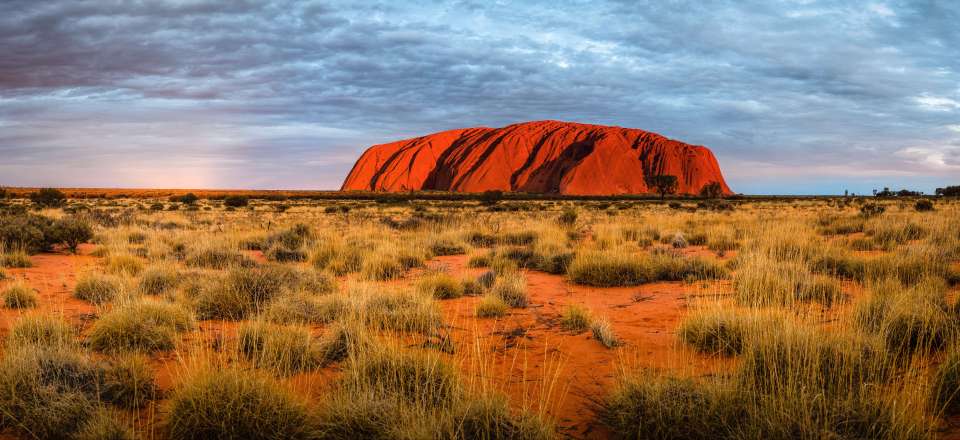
{"x":792,"y":96}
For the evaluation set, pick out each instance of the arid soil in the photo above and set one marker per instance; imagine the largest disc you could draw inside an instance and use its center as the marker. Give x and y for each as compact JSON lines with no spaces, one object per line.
{"x":525,"y":354}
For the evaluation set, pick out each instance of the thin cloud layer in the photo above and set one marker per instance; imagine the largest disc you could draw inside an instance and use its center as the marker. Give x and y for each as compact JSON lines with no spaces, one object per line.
{"x":792,"y":96}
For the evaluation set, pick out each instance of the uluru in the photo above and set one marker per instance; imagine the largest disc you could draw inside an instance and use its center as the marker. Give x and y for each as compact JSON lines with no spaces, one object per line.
{"x":545,"y":157}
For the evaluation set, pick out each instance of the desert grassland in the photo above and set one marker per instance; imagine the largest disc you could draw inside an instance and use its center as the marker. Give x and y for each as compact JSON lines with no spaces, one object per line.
{"x":454,"y":319}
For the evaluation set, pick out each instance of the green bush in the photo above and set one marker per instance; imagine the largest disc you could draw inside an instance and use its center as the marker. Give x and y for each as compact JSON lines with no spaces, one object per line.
{"x":72,"y":231}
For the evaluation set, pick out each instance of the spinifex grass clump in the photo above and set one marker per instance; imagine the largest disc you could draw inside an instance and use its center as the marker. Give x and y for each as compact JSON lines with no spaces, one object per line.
{"x":621,"y":268}
{"x":140,"y":326}
{"x":46,"y":392}
{"x":649,"y":406}
{"x":124,"y":265}
{"x":610,"y":268}
{"x":306,"y":309}
{"x":157,"y":280}
{"x":41,"y":331}
{"x":236,"y":404}
{"x":604,"y":333}
{"x":760,"y":281}
{"x":789,"y":385}
{"x":512,"y":289}
{"x":945,"y":389}
{"x":406,"y":376}
{"x":440,"y":285}
{"x":282,"y":349}
{"x":58,"y":392}
{"x":128,"y":382}
{"x":722,"y":330}
{"x":242,"y":292}
{"x":97,"y":288}
{"x":491,"y":306}
{"x":797,"y":357}
{"x":909,"y":319}
{"x":576,"y":319}
{"x":19,"y":296}
{"x":399,"y":311}
{"x":218,"y":257}
{"x":17,"y":258}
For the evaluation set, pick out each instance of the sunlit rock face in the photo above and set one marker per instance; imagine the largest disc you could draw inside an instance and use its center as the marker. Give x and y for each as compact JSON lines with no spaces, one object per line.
{"x":549,"y":157}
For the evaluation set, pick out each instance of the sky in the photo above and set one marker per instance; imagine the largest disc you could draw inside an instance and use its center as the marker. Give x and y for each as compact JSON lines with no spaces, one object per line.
{"x":792,"y":96}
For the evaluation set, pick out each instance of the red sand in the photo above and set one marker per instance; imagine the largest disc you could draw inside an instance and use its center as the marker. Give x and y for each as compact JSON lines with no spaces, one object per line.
{"x":537,"y":157}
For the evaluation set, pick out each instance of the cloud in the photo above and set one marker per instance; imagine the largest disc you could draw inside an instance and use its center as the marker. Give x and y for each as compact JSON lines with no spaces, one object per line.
{"x":285,"y":93}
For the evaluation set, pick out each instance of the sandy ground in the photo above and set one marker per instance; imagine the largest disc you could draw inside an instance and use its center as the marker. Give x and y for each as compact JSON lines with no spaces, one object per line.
{"x":525,"y":354}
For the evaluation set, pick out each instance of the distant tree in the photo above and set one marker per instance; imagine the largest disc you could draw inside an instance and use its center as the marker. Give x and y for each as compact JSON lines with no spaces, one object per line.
{"x":3,"y":193}
{"x":49,"y":198}
{"x":950,"y":191}
{"x":188,"y":199}
{"x":664,"y":184}
{"x":491,"y":197}
{"x":236,"y":201}
{"x":923,"y":205}
{"x":712,"y":190}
